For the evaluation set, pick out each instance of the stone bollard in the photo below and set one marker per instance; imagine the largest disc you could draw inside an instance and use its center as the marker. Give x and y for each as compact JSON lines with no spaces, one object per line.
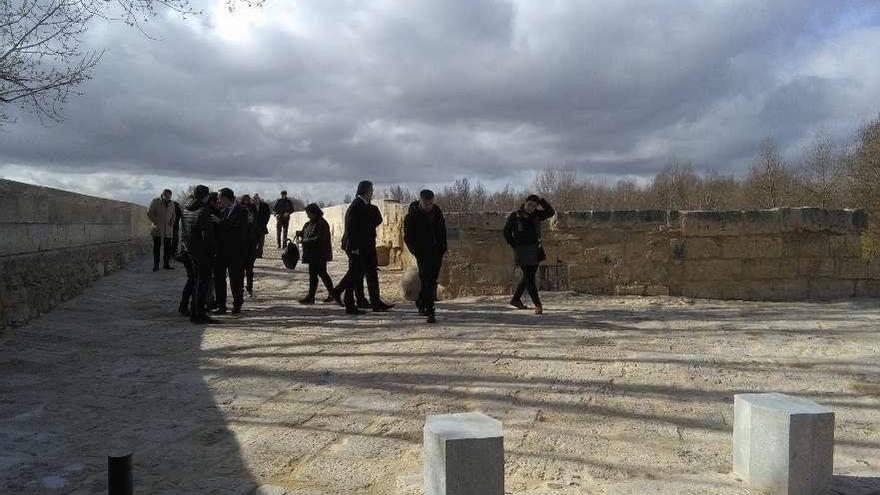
{"x":463,"y":455}
{"x":783,"y":444}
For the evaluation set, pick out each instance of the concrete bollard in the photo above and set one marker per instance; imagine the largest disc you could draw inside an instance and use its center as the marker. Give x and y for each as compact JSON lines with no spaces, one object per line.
{"x":463,"y":455}
{"x":783,"y":444}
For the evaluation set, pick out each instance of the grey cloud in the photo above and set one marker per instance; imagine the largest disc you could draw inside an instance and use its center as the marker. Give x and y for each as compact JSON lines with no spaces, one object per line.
{"x":423,"y":92}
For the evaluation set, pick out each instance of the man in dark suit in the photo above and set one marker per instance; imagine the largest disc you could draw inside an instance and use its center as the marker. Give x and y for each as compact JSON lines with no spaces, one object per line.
{"x":359,"y":242}
{"x":232,"y":234}
{"x":424,"y":231}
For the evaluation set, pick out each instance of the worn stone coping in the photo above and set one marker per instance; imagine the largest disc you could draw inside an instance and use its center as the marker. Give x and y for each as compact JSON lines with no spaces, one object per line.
{"x":463,"y":426}
{"x":784,"y":403}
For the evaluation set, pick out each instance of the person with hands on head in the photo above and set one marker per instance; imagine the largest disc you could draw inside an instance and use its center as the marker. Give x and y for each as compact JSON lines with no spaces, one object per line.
{"x":522,"y":231}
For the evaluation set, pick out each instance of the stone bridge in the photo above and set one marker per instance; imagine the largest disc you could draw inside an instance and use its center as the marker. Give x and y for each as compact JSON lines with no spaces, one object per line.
{"x":604,"y":394}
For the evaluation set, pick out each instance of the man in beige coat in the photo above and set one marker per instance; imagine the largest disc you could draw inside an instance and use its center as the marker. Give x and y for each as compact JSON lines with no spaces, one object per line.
{"x":163,"y":216}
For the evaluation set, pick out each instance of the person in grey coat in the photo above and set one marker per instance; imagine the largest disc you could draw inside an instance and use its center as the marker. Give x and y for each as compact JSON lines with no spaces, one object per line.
{"x":522,"y":231}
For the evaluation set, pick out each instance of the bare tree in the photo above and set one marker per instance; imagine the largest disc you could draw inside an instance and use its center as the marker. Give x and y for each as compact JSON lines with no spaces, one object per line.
{"x":770,"y":182}
{"x":821,"y":171}
{"x":41,"y":60}
{"x":863,"y":167}
{"x":399,"y":194}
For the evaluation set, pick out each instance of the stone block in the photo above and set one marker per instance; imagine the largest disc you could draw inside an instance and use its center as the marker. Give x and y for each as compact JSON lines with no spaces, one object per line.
{"x":816,"y":267}
{"x":830,"y":288}
{"x":463,"y":455}
{"x":851,"y":268}
{"x":783,"y":444}
{"x":806,"y":245}
{"x":768,"y":268}
{"x":711,"y":223}
{"x":845,"y":246}
{"x":713,"y":270}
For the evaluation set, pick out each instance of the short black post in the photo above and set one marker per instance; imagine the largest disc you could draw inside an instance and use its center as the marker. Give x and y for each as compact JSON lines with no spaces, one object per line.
{"x":119,"y":477}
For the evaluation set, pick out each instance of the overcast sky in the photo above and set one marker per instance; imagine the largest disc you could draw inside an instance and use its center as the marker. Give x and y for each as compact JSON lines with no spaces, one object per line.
{"x":316,"y":95}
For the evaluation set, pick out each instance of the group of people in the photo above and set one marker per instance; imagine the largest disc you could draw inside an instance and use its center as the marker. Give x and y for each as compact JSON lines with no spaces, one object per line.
{"x":217,"y":236}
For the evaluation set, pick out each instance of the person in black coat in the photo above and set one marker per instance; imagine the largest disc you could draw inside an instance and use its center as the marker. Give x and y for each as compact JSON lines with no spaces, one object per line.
{"x":264,"y":213}
{"x":317,"y":251}
{"x":232,"y":235}
{"x":283,"y":209}
{"x":424,"y":232}
{"x":252,"y":240}
{"x":175,"y":239}
{"x":522,"y":231}
{"x":361,"y":300}
{"x":359,"y":242}
{"x":197,"y":249}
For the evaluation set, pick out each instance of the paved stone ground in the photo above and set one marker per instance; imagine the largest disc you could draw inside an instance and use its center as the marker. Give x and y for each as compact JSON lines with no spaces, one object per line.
{"x":600,"y":395}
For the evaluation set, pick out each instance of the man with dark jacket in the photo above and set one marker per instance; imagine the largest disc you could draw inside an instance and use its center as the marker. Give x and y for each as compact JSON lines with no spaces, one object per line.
{"x":197,"y":250}
{"x":424,"y":232}
{"x":252,"y":240}
{"x":232,"y":235}
{"x":359,"y":242}
{"x":283,"y":209}
{"x":264,"y":213}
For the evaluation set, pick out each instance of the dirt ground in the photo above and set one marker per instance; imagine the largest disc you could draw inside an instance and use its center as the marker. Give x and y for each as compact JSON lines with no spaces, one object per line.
{"x":601,"y":395}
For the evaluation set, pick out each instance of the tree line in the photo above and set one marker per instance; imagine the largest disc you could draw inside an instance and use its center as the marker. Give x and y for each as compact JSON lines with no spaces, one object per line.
{"x":827,"y":175}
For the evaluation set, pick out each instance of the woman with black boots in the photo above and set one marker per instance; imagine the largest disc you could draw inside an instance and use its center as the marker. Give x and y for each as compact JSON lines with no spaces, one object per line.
{"x":523,"y":233}
{"x":317,"y":250}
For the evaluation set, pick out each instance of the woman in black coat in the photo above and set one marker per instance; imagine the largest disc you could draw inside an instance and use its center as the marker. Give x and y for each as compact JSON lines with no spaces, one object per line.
{"x":523,"y":233}
{"x":317,"y":250}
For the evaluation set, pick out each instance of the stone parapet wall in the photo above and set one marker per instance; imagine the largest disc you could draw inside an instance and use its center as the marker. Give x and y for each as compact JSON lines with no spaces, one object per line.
{"x":54,"y":243}
{"x":779,"y":254}
{"x":389,"y":236}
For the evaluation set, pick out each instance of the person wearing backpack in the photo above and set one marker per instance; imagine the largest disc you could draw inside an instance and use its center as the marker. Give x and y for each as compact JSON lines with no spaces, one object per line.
{"x":522,"y":231}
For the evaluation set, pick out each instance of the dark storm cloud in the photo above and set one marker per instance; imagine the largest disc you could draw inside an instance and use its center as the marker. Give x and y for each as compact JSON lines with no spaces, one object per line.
{"x":332,"y":91}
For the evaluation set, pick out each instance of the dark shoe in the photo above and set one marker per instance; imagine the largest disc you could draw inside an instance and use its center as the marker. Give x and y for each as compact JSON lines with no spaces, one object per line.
{"x":250,"y":292}
{"x":168,"y":267}
{"x":307,"y":300}
{"x":220,"y":311}
{"x":364,"y":305}
{"x":382,"y":307}
{"x":432,"y":318}
{"x":539,"y":310}
{"x":337,"y":296}
{"x":423,"y":312}
{"x":516,"y":303}
{"x":354,"y":311}
{"x":184,"y":310}
{"x":204,"y":320}
{"x":155,"y":268}
{"x":329,"y":299}
{"x":236,"y":310}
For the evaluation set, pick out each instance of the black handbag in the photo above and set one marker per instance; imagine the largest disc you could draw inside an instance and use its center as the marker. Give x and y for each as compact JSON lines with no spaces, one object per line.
{"x":290,"y":257}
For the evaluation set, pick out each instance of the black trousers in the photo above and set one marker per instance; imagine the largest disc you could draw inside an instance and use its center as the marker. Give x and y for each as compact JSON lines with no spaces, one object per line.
{"x":260,"y":243}
{"x":158,"y":244}
{"x":360,"y":268}
{"x":279,"y":226}
{"x":527,"y":283}
{"x":234,"y":267}
{"x":249,"y":273}
{"x":198,"y":286}
{"x":319,"y":270}
{"x":429,"y":271}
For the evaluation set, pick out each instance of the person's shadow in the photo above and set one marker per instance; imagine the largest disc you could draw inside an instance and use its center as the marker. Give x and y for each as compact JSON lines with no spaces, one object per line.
{"x":855,"y":485}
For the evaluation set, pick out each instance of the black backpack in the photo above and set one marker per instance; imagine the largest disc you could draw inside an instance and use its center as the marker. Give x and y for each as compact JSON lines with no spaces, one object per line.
{"x":290,"y":257}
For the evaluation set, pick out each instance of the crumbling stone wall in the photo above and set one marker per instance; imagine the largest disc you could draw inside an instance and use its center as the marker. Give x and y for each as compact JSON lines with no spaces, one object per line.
{"x":54,"y":243}
{"x":780,"y":254}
